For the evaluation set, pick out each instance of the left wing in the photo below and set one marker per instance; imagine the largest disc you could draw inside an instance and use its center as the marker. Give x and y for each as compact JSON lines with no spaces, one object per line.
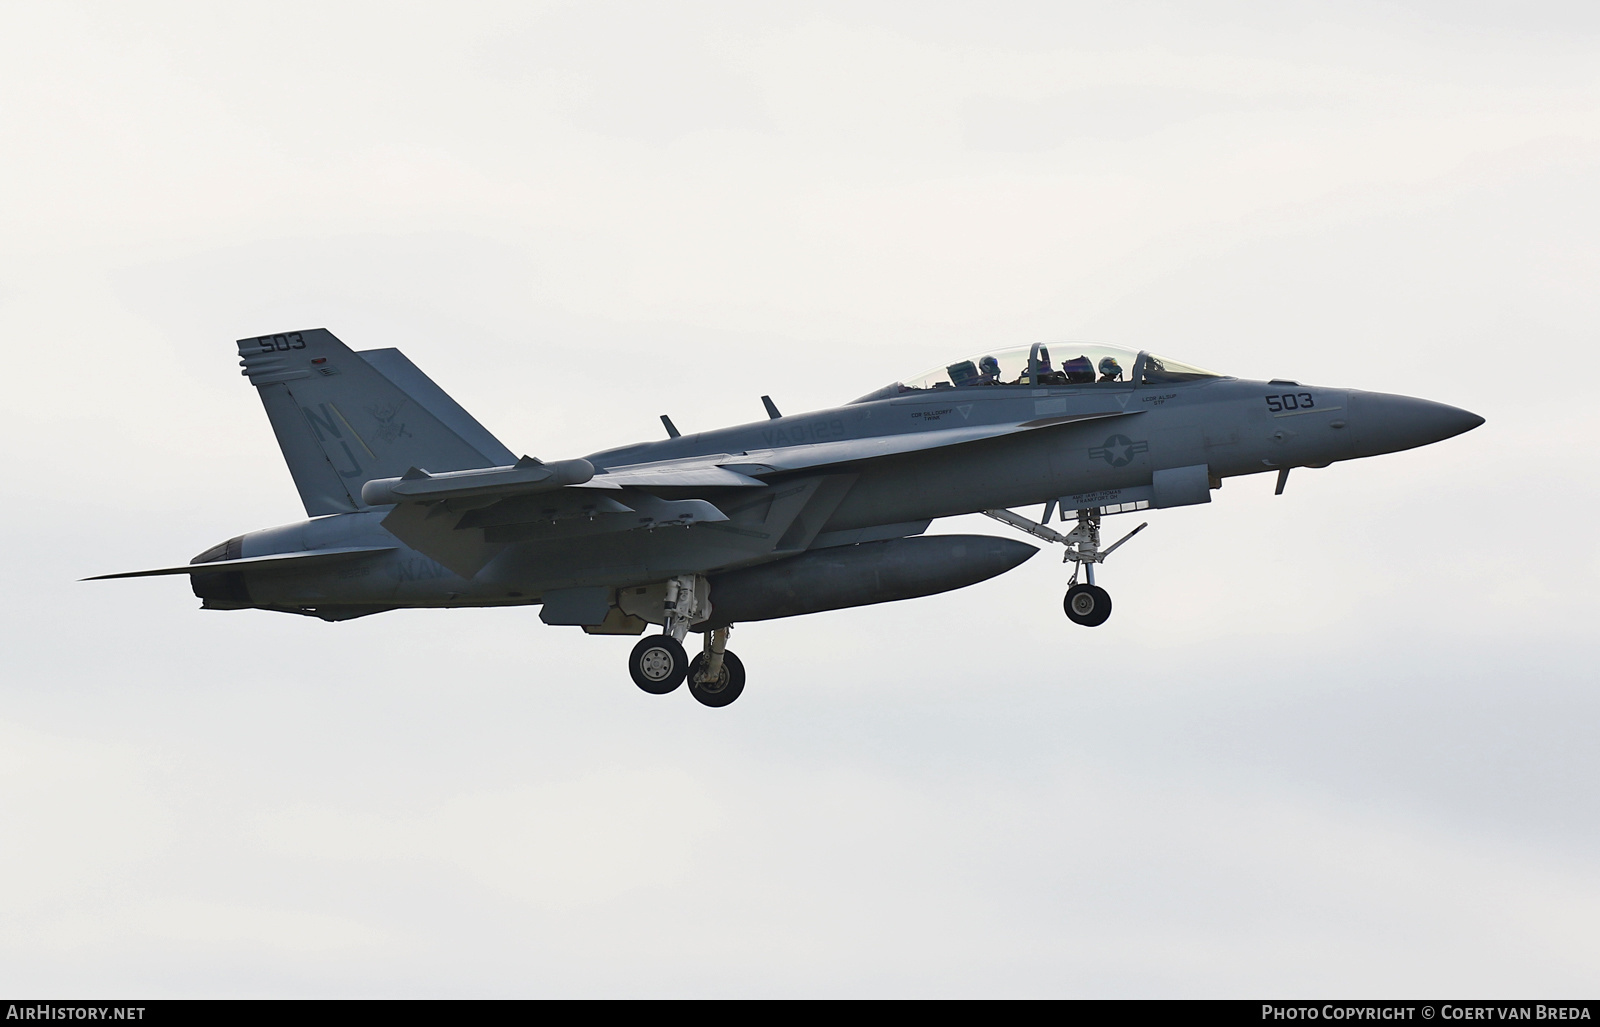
{"x":714,"y":470}
{"x":463,"y":519}
{"x":744,"y":469}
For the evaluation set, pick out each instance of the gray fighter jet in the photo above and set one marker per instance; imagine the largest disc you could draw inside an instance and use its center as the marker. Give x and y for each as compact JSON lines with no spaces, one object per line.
{"x":412,"y":503}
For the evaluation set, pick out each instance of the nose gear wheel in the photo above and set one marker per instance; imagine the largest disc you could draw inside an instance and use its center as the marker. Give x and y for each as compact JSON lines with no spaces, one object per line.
{"x":1088,"y":605}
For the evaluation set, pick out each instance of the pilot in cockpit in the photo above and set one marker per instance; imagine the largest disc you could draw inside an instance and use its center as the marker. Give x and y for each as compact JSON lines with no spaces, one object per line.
{"x":988,"y":372}
{"x":1078,"y":370}
{"x":1110,"y":370}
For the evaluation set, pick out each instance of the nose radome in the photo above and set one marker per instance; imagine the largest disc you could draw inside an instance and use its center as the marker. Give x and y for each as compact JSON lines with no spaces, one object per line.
{"x":1388,"y":424}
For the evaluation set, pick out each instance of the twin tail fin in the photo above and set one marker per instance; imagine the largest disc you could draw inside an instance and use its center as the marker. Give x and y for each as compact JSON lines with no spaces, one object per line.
{"x":343,"y":417}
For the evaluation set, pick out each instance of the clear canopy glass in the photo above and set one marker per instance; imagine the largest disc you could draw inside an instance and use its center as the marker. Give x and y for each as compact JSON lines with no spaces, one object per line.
{"x":1162,"y":371}
{"x":1057,"y":364}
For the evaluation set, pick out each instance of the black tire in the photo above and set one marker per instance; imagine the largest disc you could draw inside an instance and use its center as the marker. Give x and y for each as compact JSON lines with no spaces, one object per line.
{"x":727,"y":687}
{"x":1088,"y":605}
{"x":658,"y":664}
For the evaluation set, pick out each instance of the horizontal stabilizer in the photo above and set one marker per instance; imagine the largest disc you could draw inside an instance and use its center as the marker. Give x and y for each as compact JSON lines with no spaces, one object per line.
{"x":273,"y":561}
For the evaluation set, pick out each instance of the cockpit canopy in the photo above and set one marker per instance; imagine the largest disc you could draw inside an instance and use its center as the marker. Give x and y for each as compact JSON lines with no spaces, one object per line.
{"x":1072,"y":364}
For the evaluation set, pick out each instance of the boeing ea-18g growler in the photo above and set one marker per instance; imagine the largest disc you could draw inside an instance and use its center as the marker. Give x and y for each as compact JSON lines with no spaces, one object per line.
{"x":412,"y":503}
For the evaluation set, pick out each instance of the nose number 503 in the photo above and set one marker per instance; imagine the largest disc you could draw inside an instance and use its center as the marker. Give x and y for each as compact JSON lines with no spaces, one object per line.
{"x":1290,"y":401}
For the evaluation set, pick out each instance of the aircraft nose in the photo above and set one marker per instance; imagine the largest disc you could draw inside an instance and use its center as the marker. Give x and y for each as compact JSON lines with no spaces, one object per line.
{"x":1388,"y":424}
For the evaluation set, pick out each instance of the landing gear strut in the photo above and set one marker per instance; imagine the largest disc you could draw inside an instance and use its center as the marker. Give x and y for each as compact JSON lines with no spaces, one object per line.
{"x":659,"y":664}
{"x":1087,"y":604}
{"x":716,"y":676}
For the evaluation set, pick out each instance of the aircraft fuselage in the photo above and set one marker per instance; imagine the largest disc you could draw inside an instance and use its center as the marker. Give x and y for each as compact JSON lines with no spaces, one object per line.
{"x":1223,"y":427}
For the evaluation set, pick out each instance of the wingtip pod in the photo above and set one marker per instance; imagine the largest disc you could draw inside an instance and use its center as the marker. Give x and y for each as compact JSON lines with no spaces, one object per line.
{"x":525,"y":476}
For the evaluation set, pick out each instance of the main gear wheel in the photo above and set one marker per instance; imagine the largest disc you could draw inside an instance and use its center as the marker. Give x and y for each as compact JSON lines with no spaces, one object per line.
{"x":727,"y":686}
{"x":658,"y":664}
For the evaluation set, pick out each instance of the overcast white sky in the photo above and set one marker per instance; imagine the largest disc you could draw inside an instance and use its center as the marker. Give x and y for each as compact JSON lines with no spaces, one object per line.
{"x":1340,"y":741}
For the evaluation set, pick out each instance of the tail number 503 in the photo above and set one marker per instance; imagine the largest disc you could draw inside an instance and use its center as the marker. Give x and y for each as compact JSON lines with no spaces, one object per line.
{"x":269,"y":343}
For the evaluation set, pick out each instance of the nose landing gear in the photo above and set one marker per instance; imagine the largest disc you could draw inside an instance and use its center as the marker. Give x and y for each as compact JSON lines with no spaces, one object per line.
{"x":1087,"y":604}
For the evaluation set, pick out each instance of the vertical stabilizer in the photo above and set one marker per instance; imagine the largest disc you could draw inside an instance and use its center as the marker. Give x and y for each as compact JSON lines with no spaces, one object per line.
{"x":343,"y":418}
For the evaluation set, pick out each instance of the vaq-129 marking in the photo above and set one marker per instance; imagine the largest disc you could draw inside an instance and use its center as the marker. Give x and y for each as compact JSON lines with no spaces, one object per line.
{"x":412,"y":503}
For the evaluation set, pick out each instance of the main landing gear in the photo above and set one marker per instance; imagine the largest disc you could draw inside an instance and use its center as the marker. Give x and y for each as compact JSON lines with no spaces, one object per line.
{"x":1087,"y":603}
{"x":716,"y":676}
{"x":659,"y":663}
